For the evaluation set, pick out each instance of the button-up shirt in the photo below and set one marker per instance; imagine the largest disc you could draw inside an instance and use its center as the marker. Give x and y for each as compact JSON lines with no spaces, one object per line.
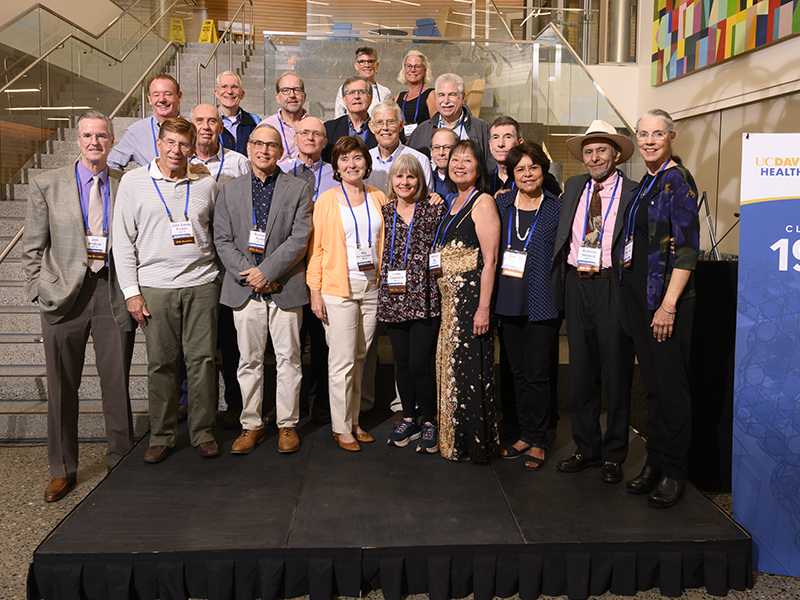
{"x":86,"y":181}
{"x":579,"y":222}
{"x":232,"y":123}
{"x":379,"y":177}
{"x":362,"y":133}
{"x":138,"y":144}
{"x":262,"y":200}
{"x":287,"y":135}
{"x":460,"y":127}
{"x":319,"y":175}
{"x":234,"y":165}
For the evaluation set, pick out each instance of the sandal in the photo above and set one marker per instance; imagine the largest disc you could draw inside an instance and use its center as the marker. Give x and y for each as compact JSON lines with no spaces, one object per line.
{"x":533,"y":463}
{"x":512,"y":452}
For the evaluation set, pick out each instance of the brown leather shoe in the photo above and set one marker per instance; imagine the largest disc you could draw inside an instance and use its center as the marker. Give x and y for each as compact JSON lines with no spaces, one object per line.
{"x":288,"y":441}
{"x":155,"y":454}
{"x":269,"y":418}
{"x":208,"y":449}
{"x":59,"y":487}
{"x":397,"y":417}
{"x":247,"y":441}
{"x":364,"y":437}
{"x":353,"y":446}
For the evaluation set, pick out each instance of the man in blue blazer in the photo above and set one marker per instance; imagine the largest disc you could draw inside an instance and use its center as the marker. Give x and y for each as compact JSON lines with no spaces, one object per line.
{"x":262,"y":224}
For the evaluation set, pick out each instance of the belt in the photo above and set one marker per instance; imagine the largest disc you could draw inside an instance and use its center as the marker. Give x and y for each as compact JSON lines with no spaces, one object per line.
{"x":601,"y":274}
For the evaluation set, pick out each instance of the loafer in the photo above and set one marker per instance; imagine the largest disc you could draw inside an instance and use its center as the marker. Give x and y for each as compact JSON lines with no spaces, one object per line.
{"x":578,"y":462}
{"x":208,"y":449}
{"x":645,"y":481}
{"x":231,"y":418}
{"x":611,"y":472}
{"x":269,"y":418}
{"x":667,"y":492}
{"x":155,"y":454}
{"x":59,"y":487}
{"x":247,"y":441}
{"x":288,"y":441}
{"x":353,"y":446}
{"x":364,"y":437}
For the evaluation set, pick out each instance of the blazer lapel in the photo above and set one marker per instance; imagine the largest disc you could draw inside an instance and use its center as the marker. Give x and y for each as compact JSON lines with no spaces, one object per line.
{"x":277,"y":198}
{"x":72,"y":199}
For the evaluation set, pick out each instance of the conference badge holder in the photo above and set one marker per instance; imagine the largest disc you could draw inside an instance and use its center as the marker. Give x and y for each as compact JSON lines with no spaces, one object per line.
{"x":408,"y":129}
{"x":97,"y":247}
{"x":181,"y":232}
{"x":435,"y":263}
{"x":396,"y":279}
{"x":627,"y":257}
{"x":364,"y":259}
{"x":589,"y":259}
{"x":514,"y":263}
{"x":257,"y":241}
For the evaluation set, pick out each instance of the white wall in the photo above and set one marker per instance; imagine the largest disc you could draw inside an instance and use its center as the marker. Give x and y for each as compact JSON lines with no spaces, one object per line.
{"x":95,"y":20}
{"x":618,"y":82}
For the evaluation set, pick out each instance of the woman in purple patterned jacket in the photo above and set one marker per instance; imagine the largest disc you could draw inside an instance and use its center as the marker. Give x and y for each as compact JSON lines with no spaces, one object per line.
{"x":658,"y":287}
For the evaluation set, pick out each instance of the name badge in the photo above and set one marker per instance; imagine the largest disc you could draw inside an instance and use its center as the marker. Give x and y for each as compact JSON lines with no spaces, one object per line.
{"x":435,"y":263}
{"x":257,"y":242}
{"x":589,"y":259}
{"x":627,"y":256}
{"x":181,"y":232}
{"x":396,"y":281}
{"x":364,"y":259}
{"x":514,"y":263}
{"x":97,"y":247}
{"x":409,"y":128}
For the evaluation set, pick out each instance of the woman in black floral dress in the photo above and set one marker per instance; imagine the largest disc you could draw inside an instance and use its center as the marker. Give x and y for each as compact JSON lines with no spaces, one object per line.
{"x":468,"y":243}
{"x":408,"y":298}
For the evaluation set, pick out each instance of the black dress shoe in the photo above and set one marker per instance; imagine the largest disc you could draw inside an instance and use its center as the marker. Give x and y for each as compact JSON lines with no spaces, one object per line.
{"x":645,"y":481}
{"x":611,"y":472}
{"x":578,"y":462}
{"x":667,"y":493}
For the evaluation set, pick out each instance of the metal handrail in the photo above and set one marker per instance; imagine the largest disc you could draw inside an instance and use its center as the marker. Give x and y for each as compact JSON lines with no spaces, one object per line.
{"x":64,"y":40}
{"x":230,"y":46}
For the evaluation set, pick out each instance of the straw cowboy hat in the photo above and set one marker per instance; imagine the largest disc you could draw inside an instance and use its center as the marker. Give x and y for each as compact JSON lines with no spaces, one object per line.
{"x":602,"y":130}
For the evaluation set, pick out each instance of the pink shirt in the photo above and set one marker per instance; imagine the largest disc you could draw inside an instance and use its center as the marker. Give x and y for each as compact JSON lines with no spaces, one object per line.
{"x":579,"y":223}
{"x":287,"y":135}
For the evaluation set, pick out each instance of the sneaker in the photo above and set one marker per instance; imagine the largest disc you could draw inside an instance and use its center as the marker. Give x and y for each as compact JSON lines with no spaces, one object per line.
{"x":405,"y":433}
{"x":430,"y":439}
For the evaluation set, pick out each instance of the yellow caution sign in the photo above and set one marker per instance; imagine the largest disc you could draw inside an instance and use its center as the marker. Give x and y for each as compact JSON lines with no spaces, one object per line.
{"x":176,"y":31}
{"x":208,"y":34}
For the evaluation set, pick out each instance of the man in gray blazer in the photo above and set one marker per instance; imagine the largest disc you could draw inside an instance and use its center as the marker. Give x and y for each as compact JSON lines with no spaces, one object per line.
{"x":262,"y":224}
{"x":69,"y":273}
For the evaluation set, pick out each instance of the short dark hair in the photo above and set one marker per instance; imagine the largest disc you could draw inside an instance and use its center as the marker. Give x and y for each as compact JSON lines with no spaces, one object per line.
{"x":482,"y":184}
{"x":164,"y":76}
{"x":284,"y":74}
{"x":346,"y":145}
{"x":506,"y":120}
{"x":353,"y":79}
{"x":368,"y":50}
{"x":533,"y":151}
{"x":178,"y":125}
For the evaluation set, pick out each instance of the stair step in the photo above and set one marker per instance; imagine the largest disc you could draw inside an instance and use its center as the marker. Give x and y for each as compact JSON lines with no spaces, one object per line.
{"x":15,"y":251}
{"x":11,"y":270}
{"x":58,"y":160}
{"x":16,"y":191}
{"x":89,"y":370}
{"x":31,"y":353}
{"x":35,"y":387}
{"x":9,"y":226}
{"x":13,"y":209}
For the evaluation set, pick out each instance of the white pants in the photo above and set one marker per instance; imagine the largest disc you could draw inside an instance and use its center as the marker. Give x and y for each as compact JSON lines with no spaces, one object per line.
{"x":349,"y":332}
{"x":254,"y":320}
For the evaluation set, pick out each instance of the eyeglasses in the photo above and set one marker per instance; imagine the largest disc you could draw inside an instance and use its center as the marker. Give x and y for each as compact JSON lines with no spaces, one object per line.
{"x":170,"y":144}
{"x":413,"y":67}
{"x":656,"y":135}
{"x":258,"y":144}
{"x":100,"y":137}
{"x":365,"y":62}
{"x":310,"y":133}
{"x":390,"y":123}
{"x":446,"y":148}
{"x":356,"y":93}
{"x":289,"y":90}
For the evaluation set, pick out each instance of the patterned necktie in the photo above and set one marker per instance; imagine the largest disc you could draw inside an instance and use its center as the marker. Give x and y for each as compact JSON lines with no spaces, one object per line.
{"x":595,"y":208}
{"x":96,"y":219}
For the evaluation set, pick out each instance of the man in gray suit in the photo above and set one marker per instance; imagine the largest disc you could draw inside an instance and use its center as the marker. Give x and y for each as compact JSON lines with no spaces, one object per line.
{"x":70,"y":275}
{"x":261,"y":228}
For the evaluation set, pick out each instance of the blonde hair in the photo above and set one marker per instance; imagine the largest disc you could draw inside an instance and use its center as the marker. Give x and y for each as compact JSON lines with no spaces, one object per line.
{"x":425,"y":64}
{"x":406,"y":163}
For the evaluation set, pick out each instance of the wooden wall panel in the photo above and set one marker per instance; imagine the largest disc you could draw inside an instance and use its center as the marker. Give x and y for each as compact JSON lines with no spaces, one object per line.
{"x":285,"y":15}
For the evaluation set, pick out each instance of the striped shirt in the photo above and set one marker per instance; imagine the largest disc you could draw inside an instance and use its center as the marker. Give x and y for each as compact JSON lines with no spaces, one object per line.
{"x":144,"y":252}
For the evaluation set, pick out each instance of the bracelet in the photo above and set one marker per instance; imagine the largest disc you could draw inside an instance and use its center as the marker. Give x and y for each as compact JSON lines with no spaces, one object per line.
{"x":661,"y":306}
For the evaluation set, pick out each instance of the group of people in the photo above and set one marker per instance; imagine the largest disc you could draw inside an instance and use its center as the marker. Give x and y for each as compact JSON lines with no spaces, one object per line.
{"x":409,"y":211}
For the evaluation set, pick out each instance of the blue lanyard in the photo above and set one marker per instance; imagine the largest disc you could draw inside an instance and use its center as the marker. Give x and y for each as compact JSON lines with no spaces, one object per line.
{"x":369,"y":219}
{"x":283,"y":134}
{"x":639,"y":196}
{"x":185,"y":209}
{"x":378,"y":92}
{"x":255,"y":225}
{"x":416,"y":110}
{"x":408,"y":239}
{"x":153,"y":131}
{"x":608,"y":210}
{"x":85,"y":205}
{"x":319,"y":176}
{"x":530,"y":231}
{"x":222,"y":162}
{"x":461,"y":129}
{"x":513,"y":183}
{"x":436,"y":237}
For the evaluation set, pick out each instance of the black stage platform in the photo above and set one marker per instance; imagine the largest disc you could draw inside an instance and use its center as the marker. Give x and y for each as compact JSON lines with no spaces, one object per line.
{"x":326,"y":522}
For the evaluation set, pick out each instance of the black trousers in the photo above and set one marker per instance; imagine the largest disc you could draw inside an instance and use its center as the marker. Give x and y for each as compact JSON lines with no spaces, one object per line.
{"x":315,"y":330}
{"x":597,"y":345}
{"x":665,"y":372}
{"x":528,"y":348}
{"x":413,"y":345}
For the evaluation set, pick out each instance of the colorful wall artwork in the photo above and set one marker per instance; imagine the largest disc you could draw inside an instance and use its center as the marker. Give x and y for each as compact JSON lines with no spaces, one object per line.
{"x":691,"y":34}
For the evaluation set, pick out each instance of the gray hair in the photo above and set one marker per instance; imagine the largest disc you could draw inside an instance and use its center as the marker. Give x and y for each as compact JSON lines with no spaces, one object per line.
{"x":425,"y":64}
{"x":353,"y":79}
{"x":448,"y":130}
{"x":387,"y":105}
{"x":96,"y":114}
{"x":285,"y":74}
{"x":661,"y":114}
{"x":264,"y":125}
{"x":228,"y":74}
{"x":450,"y":78}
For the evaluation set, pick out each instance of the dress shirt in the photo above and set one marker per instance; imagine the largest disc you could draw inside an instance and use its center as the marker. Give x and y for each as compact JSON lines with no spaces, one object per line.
{"x":262,"y":200}
{"x":234,"y":165}
{"x":379,"y":177}
{"x":287,"y":135}
{"x":138,"y":144}
{"x":86,"y":181}
{"x":362,"y":133}
{"x":579,"y":222}
{"x":144,"y":253}
{"x":232,"y":123}
{"x":319,"y":182}
{"x":460,"y":127}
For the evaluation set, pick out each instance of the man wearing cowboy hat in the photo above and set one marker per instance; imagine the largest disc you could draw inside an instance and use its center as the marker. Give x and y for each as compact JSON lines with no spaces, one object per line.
{"x":585,"y":285}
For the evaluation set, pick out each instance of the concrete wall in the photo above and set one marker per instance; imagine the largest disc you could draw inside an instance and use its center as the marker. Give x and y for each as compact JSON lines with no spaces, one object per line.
{"x":95,"y":20}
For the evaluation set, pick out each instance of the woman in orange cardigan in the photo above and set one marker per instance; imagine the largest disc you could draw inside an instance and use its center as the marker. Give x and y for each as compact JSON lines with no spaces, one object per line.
{"x":342,"y":274}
